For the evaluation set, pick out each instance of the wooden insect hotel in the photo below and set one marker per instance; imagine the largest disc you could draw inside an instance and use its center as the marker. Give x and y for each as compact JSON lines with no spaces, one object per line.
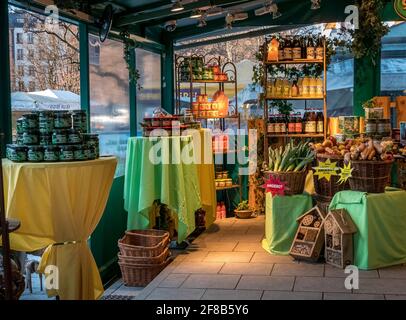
{"x":309,"y":239}
{"x":338,"y":229}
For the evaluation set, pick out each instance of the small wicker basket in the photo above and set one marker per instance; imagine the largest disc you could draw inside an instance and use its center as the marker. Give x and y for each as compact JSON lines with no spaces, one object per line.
{"x":139,"y":275}
{"x":143,"y":243}
{"x":145,"y":260}
{"x":295,"y":181}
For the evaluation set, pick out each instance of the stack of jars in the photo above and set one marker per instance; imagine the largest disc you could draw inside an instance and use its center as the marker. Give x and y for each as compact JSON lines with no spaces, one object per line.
{"x":53,"y":136}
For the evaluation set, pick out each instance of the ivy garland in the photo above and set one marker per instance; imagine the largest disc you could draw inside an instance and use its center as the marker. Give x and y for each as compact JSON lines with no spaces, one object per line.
{"x":129,"y":46}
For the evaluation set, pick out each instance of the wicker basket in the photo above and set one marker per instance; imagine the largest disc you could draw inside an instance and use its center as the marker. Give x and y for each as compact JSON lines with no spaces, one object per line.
{"x":145,"y":260}
{"x":143,"y":243}
{"x":295,"y":181}
{"x":327,"y":189}
{"x":370,"y":176}
{"x":139,"y":275}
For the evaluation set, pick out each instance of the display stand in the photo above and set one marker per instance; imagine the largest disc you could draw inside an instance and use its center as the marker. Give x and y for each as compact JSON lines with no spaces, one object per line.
{"x":6,"y":227}
{"x":283,"y":138}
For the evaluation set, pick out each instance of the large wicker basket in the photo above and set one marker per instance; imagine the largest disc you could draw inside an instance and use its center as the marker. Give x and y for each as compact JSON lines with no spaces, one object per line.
{"x":327,"y":189}
{"x":295,"y":181}
{"x":143,"y":243}
{"x":139,"y":275}
{"x":370,"y":176}
{"x":145,"y":260}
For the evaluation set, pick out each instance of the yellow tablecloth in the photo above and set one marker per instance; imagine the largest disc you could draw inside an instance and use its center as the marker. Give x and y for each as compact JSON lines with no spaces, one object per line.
{"x":58,"y":203}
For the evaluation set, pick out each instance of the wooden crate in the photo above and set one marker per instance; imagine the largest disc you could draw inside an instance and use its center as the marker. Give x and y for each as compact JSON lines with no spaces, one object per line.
{"x":309,"y":238}
{"x":338,"y":231}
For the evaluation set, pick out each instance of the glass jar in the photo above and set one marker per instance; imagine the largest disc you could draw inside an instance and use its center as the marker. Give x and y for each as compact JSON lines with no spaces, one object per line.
{"x":45,"y":139}
{"x":79,"y":119}
{"x":271,"y":125}
{"x":46,"y":122}
{"x":67,"y":153}
{"x":16,"y":153}
{"x":30,"y":137}
{"x":78,"y":153}
{"x":20,"y":126}
{"x":74,"y":137}
{"x":371,"y":126}
{"x":62,"y":120}
{"x":292,"y":125}
{"x":30,"y":121}
{"x":19,"y":139}
{"x":35,"y":154}
{"x":384,"y":127}
{"x":299,"y":126}
{"x":51,"y":153}
{"x":60,"y":136}
{"x":92,"y":140}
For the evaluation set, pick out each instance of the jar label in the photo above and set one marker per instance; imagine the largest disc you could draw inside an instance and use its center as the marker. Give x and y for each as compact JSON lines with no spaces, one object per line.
{"x":310,"y":53}
{"x":310,"y":127}
{"x":319,"y":53}
{"x":297,"y":53}
{"x":298,"y":127}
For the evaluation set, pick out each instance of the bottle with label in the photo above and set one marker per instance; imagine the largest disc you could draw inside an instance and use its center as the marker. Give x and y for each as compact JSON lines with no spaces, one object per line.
{"x":282,"y":124}
{"x":310,"y":50}
{"x":312,"y":87}
{"x":277,"y":128}
{"x":303,"y":47}
{"x":273,"y":50}
{"x":288,"y":50}
{"x":223,"y":211}
{"x":292,"y":124}
{"x":271,"y":125}
{"x":294,"y":91}
{"x":319,"y":88}
{"x":311,"y":123}
{"x":297,"y":50}
{"x":298,"y":127}
{"x":300,"y":86}
{"x":286,"y":88}
{"x":320,"y":49}
{"x":320,"y":122}
{"x":278,"y":87}
{"x":281,"y":50}
{"x":306,"y":87}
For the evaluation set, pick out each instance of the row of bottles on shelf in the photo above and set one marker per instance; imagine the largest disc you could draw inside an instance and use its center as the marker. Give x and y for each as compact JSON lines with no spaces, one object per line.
{"x":307,"y":87}
{"x":295,"y":48}
{"x":221,"y":211}
{"x":195,"y":66}
{"x":312,"y":122}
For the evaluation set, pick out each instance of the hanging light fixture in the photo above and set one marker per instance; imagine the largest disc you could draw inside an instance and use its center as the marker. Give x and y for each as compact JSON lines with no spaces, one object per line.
{"x":196,"y":14}
{"x":177,"y":6}
{"x":273,"y":8}
{"x":316,"y":4}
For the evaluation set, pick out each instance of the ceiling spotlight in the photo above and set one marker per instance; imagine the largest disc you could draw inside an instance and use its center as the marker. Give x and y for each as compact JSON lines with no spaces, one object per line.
{"x":177,"y":6}
{"x":275,"y":11}
{"x":196,"y":14}
{"x":316,"y":4}
{"x":202,"y":22}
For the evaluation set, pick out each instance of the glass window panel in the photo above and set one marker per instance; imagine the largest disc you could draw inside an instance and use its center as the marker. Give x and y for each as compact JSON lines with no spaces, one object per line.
{"x":149,"y":92}
{"x":44,"y":64}
{"x":109,"y":98}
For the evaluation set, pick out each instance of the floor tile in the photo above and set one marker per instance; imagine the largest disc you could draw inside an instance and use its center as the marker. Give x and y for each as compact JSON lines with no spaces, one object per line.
{"x":211,"y":281}
{"x":262,"y":269}
{"x":302,"y":269}
{"x":213,"y":246}
{"x":175,"y":294}
{"x":201,"y":267}
{"x":265,"y":257}
{"x":318,"y":284}
{"x":217,"y":294}
{"x":291,"y":295}
{"x":330,"y":271}
{"x":395,"y":297}
{"x":396,"y":272}
{"x":128,"y":291}
{"x":353,"y":296}
{"x":382,"y":286}
{"x":193,"y":256}
{"x":249,"y":247}
{"x":173,"y":280}
{"x":228,"y":257}
{"x":266,"y":283}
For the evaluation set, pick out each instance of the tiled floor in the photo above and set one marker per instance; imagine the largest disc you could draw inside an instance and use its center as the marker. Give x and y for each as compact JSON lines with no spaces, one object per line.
{"x":227,"y":262}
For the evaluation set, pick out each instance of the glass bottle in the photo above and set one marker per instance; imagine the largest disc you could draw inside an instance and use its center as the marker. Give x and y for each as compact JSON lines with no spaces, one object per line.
{"x":297,"y":50}
{"x":281,"y":50}
{"x":294,"y":91}
{"x":304,"y":48}
{"x":310,"y":49}
{"x":288,"y":50}
{"x":299,"y":127}
{"x":320,"y":122}
{"x":292,"y":124}
{"x":320,"y":49}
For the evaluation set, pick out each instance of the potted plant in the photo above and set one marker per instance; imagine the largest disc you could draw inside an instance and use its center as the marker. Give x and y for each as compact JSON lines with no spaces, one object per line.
{"x":243,"y":210}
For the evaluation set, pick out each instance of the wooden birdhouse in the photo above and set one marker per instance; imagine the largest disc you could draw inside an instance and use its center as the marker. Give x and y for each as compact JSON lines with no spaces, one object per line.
{"x":309,"y":239}
{"x":338,"y":229}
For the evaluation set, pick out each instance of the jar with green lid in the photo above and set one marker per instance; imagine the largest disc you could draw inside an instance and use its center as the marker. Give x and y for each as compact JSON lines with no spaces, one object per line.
{"x":62,"y":120}
{"x":74,"y":137}
{"x":60,"y":136}
{"x":45,"y":139}
{"x":78,"y":153}
{"x":79,"y":119}
{"x":30,"y":137}
{"x":46,"y":122}
{"x":19,"y":126}
{"x":51,"y":153}
{"x":16,"y":153}
{"x":67,"y":153}
{"x":30,"y":121}
{"x":35,"y":154}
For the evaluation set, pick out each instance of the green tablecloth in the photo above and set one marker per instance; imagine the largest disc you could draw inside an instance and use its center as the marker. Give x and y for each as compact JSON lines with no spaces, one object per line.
{"x":176,"y":184}
{"x":280,"y":221}
{"x":381,"y":222}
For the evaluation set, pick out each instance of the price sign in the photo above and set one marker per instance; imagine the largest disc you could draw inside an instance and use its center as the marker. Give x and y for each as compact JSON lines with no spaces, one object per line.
{"x":326,"y":170}
{"x":275,"y":186}
{"x":345,"y":173}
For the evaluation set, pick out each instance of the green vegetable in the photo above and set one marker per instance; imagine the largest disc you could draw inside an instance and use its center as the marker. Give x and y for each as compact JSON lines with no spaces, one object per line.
{"x":291,"y":157}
